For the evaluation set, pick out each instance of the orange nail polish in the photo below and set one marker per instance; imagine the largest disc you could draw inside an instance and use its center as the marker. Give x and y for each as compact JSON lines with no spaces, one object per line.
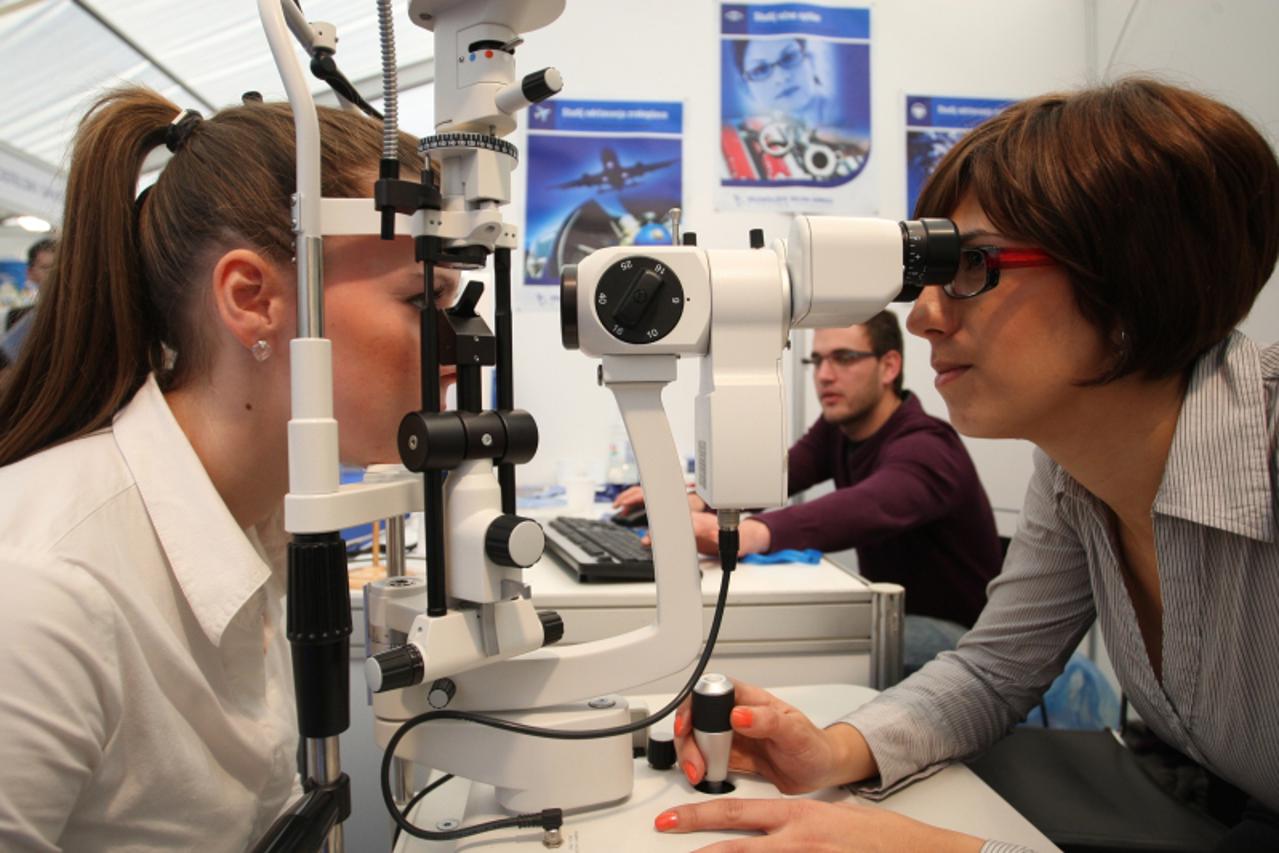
{"x":690,"y":772}
{"x":742,"y":717}
{"x":681,"y":724}
{"x":666,"y":821}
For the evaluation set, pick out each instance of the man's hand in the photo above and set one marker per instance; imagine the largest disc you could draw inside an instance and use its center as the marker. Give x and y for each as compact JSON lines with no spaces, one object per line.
{"x":811,"y":827}
{"x":634,"y":497}
{"x":754,"y":536}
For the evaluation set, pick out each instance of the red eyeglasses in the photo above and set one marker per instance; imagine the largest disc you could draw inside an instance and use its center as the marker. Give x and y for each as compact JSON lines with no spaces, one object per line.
{"x":979,"y":268}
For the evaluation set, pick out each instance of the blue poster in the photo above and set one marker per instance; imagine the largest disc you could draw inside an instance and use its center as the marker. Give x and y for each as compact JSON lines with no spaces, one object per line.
{"x":600,"y":173}
{"x":795,"y":108}
{"x":933,"y":126}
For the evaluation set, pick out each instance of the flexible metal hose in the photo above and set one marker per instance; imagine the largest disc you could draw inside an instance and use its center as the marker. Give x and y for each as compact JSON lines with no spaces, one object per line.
{"x":390,"y":107}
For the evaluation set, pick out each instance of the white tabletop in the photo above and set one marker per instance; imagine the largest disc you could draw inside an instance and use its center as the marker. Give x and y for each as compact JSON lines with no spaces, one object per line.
{"x":954,"y":799}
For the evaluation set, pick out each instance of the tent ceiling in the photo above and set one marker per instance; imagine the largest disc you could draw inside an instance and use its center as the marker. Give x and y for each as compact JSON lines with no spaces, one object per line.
{"x":59,"y":56}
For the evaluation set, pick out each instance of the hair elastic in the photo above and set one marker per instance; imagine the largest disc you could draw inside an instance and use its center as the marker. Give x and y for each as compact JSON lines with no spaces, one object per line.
{"x":180,"y":128}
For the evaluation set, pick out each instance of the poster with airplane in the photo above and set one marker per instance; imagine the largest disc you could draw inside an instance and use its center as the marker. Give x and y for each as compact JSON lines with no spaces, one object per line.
{"x":600,"y":173}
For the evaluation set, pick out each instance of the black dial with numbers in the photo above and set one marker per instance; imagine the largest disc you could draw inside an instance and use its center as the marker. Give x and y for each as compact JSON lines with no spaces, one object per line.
{"x":639,"y":300}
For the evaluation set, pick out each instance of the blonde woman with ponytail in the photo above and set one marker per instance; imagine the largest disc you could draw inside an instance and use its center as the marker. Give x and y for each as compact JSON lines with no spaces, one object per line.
{"x":145,"y":692}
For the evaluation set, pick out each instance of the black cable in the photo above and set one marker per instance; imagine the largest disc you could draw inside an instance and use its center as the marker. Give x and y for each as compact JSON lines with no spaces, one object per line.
{"x":417,"y":798}
{"x":728,"y":544}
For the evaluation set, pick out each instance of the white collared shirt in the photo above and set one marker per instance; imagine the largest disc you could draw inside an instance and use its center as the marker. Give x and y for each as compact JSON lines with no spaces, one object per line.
{"x":146,"y":695}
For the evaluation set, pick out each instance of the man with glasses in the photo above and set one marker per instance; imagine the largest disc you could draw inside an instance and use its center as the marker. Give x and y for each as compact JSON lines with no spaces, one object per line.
{"x":906,"y":496}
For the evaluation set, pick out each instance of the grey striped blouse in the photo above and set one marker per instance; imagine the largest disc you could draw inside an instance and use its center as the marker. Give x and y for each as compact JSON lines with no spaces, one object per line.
{"x":1215,"y":524}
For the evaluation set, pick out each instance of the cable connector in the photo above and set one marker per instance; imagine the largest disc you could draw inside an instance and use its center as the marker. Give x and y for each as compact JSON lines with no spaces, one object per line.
{"x":547,"y":819}
{"x":729,"y":537}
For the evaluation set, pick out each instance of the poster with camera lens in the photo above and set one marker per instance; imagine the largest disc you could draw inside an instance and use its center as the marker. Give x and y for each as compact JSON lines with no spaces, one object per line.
{"x":933,"y":126}
{"x":600,"y":173}
{"x":795,"y":109}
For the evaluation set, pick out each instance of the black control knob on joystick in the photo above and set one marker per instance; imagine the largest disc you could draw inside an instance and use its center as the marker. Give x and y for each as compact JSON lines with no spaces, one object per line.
{"x":713,"y":701}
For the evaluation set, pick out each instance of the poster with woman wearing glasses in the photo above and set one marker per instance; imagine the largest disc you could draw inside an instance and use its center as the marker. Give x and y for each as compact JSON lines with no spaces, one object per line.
{"x":795,"y":108}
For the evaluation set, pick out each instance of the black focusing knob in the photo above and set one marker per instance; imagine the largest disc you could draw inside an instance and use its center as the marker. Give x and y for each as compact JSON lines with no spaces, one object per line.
{"x":514,"y":541}
{"x":639,"y":300}
{"x":441,"y":693}
{"x":540,"y":85}
{"x":552,"y":627}
{"x":660,"y":750}
{"x":394,"y":668}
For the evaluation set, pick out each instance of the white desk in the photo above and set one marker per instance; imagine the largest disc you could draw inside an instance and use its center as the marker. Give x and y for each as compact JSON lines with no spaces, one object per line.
{"x":784,"y":624}
{"x":954,"y":798}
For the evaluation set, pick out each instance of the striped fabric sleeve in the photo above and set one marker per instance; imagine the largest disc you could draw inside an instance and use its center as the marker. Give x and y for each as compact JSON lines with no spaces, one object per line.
{"x":1004,"y":847}
{"x":1039,"y":608}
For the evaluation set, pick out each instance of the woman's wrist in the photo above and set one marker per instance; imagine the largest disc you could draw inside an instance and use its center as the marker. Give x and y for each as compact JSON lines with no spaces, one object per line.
{"x":852,"y":758}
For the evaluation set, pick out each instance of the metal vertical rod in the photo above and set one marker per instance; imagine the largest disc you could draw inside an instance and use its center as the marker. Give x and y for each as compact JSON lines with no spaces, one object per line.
{"x":433,"y":481}
{"x":504,"y":328}
{"x":310,"y":259}
{"x":325,"y":765}
{"x":395,"y":547}
{"x":887,"y":634}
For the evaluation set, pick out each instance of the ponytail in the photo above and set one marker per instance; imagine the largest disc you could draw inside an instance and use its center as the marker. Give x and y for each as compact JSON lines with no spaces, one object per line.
{"x":93,"y":337}
{"x":128,"y":294}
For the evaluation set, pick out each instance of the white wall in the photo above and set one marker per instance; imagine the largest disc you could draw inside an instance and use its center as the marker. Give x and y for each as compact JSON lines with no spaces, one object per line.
{"x":668,"y":50}
{"x":1224,"y":49}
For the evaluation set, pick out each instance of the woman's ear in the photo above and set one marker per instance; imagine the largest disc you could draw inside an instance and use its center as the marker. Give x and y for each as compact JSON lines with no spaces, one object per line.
{"x":253,"y":298}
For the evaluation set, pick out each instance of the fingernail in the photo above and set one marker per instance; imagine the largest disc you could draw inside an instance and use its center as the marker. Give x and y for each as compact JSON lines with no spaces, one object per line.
{"x":666,"y":821}
{"x":690,"y":772}
{"x":742,"y":717}
{"x":681,"y":724}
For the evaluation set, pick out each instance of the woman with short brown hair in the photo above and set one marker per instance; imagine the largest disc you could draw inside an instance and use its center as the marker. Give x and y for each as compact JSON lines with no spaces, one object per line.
{"x":1113,"y":239}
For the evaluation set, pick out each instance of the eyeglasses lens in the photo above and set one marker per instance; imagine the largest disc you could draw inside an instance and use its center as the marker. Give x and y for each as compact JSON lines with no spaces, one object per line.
{"x":971,"y":277}
{"x":761,"y":71}
{"x":790,"y":58}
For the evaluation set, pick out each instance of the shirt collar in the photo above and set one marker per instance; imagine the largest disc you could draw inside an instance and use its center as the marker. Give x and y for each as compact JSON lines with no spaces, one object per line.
{"x":213,"y":560}
{"x":1218,"y":468}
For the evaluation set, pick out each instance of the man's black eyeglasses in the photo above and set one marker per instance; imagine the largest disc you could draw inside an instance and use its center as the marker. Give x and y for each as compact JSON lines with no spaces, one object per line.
{"x":838,"y":357}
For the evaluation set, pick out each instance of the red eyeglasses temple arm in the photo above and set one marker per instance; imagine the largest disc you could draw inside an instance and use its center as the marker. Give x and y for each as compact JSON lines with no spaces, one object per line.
{"x":1014,"y":258}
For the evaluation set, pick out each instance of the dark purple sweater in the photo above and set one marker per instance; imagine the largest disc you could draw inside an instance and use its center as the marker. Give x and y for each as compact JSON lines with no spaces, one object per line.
{"x":908,"y":499}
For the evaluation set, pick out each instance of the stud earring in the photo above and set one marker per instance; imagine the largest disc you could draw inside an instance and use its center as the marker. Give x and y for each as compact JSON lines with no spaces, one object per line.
{"x":261,"y":350}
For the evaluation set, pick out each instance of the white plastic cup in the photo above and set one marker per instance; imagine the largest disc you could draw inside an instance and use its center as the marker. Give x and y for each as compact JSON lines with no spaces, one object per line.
{"x":579,"y":493}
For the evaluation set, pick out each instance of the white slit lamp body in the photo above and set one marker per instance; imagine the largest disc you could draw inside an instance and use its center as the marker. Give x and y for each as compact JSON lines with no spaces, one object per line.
{"x":734,"y":311}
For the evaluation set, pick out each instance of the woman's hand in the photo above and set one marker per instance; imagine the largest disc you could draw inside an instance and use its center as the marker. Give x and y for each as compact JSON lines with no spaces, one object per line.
{"x":773,"y":740}
{"x":809,"y":826}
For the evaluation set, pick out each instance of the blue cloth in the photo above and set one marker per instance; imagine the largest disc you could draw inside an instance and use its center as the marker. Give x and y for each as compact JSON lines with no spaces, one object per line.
{"x":1079,"y":698}
{"x":810,"y":556}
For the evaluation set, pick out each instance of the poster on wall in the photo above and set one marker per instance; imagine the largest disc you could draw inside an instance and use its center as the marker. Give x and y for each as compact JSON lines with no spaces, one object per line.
{"x":933,"y":126}
{"x":600,"y":173}
{"x":795,"y":109}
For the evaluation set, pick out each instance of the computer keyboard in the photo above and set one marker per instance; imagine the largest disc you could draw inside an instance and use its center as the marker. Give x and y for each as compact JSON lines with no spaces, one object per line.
{"x":599,"y":550}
